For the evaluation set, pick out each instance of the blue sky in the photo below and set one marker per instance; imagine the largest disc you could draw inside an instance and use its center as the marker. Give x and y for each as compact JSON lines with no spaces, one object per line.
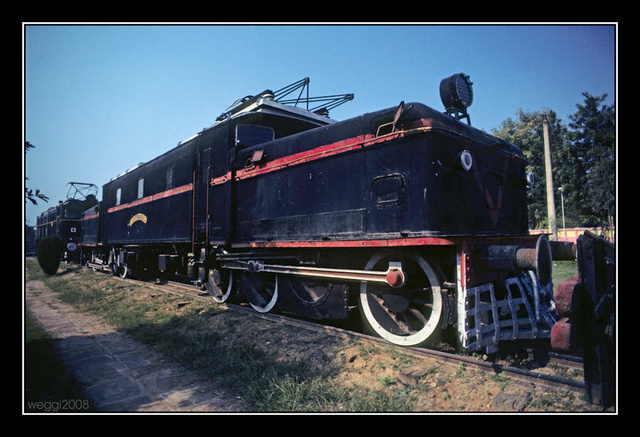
{"x":99,"y":99}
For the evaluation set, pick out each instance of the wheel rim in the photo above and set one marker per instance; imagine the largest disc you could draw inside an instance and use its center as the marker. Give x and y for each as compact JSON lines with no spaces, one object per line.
{"x":261,"y":290}
{"x":221,"y":292}
{"x":409,"y":315}
{"x":123,"y":271}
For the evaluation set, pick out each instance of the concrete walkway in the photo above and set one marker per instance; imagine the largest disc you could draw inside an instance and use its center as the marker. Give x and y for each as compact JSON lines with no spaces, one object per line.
{"x":119,"y":374}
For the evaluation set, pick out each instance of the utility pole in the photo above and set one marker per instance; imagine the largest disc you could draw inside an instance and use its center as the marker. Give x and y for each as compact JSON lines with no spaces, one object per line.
{"x":564,"y":224}
{"x":551,"y":207}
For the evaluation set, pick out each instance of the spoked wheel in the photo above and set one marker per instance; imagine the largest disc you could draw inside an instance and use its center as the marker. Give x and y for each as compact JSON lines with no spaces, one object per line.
{"x":261,"y":290}
{"x":410,"y":315}
{"x":220,"y":284}
{"x":116,"y":264}
{"x":124,"y":271}
{"x":121,"y":270}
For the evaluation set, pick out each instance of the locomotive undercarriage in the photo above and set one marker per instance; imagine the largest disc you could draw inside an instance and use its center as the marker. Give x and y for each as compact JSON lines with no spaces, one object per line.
{"x":136,"y":260}
{"x":409,"y":296}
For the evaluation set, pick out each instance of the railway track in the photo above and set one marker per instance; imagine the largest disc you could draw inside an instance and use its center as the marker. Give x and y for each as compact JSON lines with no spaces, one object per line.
{"x":545,"y":375}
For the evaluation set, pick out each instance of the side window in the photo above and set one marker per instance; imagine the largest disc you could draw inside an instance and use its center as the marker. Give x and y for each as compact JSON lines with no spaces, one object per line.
{"x":388,"y":191}
{"x":249,"y":135}
{"x":118,"y":196}
{"x":140,"y":188}
{"x":169,"y":177}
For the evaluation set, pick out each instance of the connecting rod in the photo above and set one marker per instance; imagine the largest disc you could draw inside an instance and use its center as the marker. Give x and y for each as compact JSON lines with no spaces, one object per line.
{"x":393,"y":276}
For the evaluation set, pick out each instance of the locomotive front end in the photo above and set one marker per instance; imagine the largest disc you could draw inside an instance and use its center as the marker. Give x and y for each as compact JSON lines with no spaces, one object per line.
{"x":503,"y":275}
{"x":455,"y":199}
{"x":504,"y":292}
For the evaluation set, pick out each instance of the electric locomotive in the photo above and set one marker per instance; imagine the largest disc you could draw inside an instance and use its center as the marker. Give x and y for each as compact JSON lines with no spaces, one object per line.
{"x":407,"y":215}
{"x":64,"y":219}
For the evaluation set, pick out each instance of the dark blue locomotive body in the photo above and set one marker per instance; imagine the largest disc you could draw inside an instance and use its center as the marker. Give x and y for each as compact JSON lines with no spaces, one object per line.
{"x":152,"y":203}
{"x":354,"y":181}
{"x":406,"y":213}
{"x":64,"y":221}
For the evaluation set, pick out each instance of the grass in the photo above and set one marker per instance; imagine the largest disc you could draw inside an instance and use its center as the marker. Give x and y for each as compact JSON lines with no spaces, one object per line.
{"x":563,"y":270}
{"x":202,"y":337}
{"x":222,"y":346}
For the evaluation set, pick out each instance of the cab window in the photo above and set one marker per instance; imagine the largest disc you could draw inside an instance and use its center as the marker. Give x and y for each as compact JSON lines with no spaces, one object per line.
{"x":251,"y":135}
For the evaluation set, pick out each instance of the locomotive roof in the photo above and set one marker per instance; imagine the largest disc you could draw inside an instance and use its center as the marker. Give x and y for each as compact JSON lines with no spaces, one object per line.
{"x":369,"y":122}
{"x":73,"y":204}
{"x":456,"y":126}
{"x":262,"y":103}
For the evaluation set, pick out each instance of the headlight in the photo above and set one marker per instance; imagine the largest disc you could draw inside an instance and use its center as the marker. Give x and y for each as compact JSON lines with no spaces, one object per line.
{"x":456,"y":92}
{"x":465,"y":159}
{"x":530,"y":179}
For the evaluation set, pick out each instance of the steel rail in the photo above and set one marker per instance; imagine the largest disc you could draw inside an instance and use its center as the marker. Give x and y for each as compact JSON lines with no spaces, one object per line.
{"x":519,"y":375}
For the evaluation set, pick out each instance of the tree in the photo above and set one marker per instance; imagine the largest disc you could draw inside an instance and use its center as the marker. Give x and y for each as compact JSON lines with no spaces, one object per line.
{"x":583,"y":161}
{"x":29,"y":194}
{"x":593,"y":138}
{"x":526,"y":132}
{"x":48,"y":253}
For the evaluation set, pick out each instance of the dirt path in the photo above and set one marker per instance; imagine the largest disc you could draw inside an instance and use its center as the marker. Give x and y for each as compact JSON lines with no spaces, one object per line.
{"x":118,"y":373}
{"x":122,"y":375}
